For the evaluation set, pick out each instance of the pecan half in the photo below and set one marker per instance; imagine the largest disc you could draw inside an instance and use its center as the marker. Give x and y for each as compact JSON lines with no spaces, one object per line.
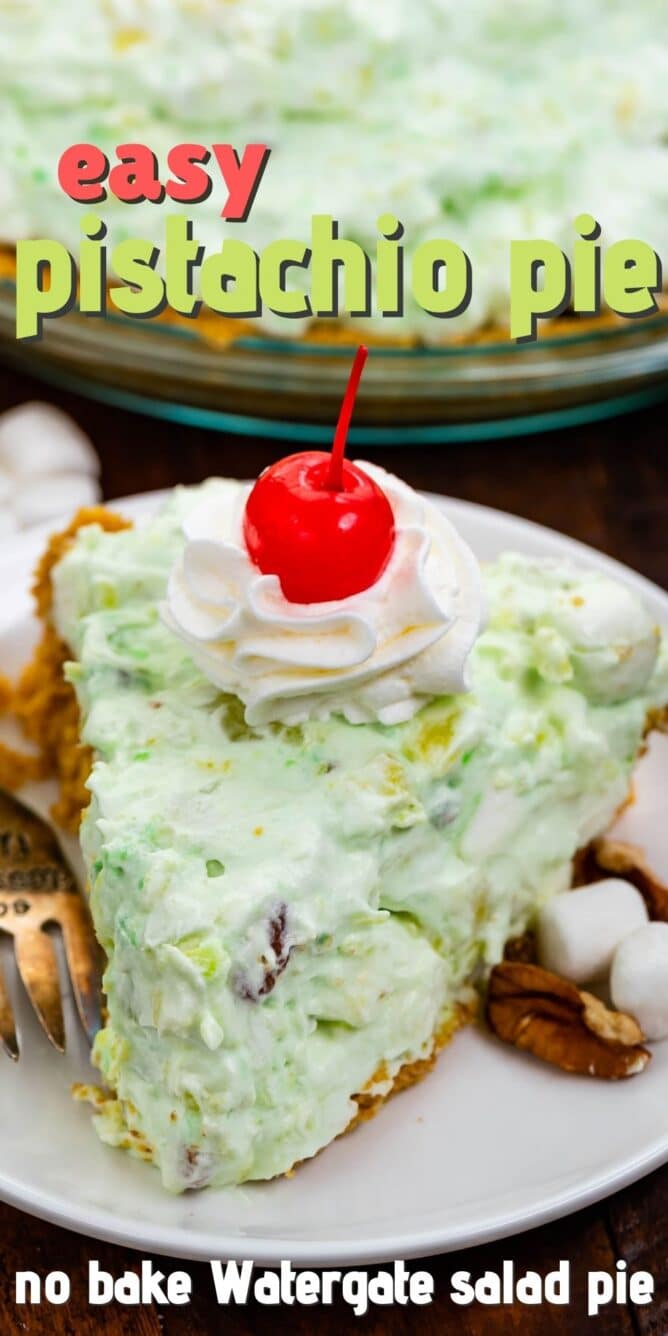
{"x":628,"y":860}
{"x":535,"y":1010}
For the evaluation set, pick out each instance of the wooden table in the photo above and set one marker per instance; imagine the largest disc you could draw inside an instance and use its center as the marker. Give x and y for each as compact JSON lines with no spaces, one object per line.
{"x":605,"y":484}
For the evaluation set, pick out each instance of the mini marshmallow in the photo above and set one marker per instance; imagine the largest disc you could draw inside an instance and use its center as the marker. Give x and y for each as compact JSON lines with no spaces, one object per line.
{"x":639,"y":979}
{"x":578,"y":931}
{"x":44,"y":498}
{"x":36,"y":439}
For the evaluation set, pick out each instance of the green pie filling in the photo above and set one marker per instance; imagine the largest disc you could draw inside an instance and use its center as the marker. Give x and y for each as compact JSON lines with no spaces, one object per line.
{"x":292,"y":914}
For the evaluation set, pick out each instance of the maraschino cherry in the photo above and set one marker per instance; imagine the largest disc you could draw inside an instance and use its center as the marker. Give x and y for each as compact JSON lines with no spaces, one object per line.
{"x":318,"y":522}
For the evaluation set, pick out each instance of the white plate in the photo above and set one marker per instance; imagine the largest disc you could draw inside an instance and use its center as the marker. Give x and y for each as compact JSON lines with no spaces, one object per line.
{"x":491,"y":1143}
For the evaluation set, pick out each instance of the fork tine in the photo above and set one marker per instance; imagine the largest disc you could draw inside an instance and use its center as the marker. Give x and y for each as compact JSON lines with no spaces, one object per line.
{"x":7,"y":1027}
{"x":83,"y":963}
{"x":38,"y":967}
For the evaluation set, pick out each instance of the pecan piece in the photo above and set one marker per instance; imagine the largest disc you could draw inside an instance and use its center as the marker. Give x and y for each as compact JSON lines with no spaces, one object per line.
{"x":521,"y":948}
{"x":197,"y":1167}
{"x":607,"y":1024}
{"x":538,"y":1011}
{"x":585,"y":868}
{"x":277,"y":932}
{"x":628,"y":860}
{"x":657,"y":719}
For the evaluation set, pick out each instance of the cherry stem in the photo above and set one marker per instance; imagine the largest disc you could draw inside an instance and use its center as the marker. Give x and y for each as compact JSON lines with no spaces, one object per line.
{"x":334,"y":481}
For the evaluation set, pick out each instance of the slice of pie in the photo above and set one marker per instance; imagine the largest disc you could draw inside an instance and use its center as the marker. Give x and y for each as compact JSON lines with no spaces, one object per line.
{"x":298,"y":902}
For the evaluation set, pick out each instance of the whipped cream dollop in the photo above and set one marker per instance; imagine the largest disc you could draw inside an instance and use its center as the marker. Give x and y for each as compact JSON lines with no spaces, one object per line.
{"x":375,"y":656}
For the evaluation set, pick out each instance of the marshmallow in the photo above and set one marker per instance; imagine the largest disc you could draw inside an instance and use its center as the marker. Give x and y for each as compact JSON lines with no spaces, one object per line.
{"x":44,"y":498}
{"x":639,"y":979}
{"x":36,"y":439}
{"x":578,"y":931}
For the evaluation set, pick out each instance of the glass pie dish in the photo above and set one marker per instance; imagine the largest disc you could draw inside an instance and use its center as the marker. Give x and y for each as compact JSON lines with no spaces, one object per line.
{"x":292,"y":389}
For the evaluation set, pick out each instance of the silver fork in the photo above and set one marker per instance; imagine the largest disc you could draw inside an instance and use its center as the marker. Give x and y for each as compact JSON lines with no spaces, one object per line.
{"x":38,"y":892}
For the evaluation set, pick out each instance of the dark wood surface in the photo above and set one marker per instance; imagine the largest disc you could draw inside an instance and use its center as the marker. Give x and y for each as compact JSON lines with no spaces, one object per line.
{"x":605,"y":484}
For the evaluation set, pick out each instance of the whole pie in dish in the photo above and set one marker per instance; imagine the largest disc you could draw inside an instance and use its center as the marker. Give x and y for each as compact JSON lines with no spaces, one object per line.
{"x":481,"y":123}
{"x":313,"y":828}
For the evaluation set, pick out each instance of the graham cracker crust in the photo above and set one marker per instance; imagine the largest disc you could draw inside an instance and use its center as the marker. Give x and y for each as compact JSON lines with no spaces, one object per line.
{"x":43,"y":703}
{"x":369,"y":1101}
